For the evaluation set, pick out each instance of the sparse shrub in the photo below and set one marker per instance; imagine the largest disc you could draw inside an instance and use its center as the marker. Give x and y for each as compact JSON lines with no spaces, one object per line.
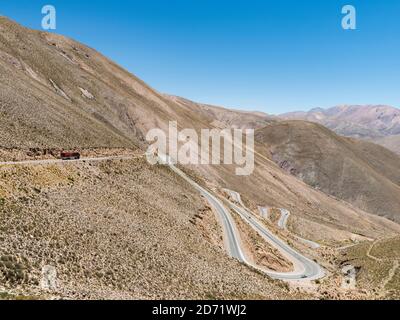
{"x":37,"y":190}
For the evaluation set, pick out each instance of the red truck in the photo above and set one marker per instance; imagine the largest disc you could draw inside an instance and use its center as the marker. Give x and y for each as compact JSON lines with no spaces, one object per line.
{"x":70,"y":155}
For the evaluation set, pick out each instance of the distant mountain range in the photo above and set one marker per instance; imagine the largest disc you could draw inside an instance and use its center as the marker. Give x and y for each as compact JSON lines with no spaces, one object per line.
{"x":377,"y":123}
{"x":360,"y":172}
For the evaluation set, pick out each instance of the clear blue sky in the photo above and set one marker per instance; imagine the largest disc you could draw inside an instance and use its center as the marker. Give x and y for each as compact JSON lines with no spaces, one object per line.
{"x":273,"y":56}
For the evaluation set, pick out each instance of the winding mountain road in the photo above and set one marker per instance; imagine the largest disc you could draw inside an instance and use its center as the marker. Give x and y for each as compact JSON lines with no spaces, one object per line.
{"x":282,"y":223}
{"x":232,"y":240}
{"x":305,"y":269}
{"x":235,"y":196}
{"x":264,"y":212}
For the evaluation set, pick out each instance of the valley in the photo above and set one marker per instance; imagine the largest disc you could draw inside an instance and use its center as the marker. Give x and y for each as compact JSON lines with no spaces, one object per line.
{"x":318,"y":210}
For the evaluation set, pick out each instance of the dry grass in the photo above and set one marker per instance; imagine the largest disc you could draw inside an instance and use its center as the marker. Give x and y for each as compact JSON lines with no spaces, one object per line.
{"x":124,"y":229}
{"x":376,"y":264}
{"x":118,"y":229}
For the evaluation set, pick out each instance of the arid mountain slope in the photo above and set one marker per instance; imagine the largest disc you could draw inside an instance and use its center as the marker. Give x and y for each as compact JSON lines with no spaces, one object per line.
{"x":389,"y":142}
{"x":57,"y":93}
{"x":116,"y":230}
{"x":378,"y":265}
{"x":221,"y":118}
{"x":359,"y":172}
{"x":373,"y":123}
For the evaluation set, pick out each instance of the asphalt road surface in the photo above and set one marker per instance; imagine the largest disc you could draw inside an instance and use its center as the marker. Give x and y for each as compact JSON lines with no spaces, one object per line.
{"x":305,"y":268}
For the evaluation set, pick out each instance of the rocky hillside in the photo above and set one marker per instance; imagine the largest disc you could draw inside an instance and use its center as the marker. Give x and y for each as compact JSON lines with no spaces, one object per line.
{"x":221,"y":118}
{"x":127,"y":229}
{"x":116,"y":230}
{"x":362,"y":173}
{"x":380,"y":124}
{"x":378,"y":265}
{"x":389,"y":142}
{"x":56,"y":92}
